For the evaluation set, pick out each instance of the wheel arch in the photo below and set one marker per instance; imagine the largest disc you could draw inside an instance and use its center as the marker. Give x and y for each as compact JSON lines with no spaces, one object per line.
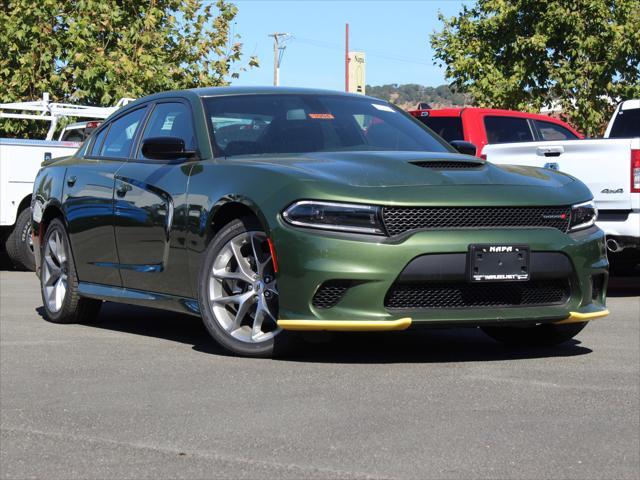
{"x":24,"y":203}
{"x":52,"y":211}
{"x":232,"y":207}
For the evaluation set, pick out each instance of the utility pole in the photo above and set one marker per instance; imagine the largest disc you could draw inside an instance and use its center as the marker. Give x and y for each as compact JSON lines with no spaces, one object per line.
{"x":346,"y":59}
{"x":278,"y":52}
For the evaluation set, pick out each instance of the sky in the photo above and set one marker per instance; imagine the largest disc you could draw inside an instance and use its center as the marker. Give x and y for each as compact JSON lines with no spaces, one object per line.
{"x":393,"y":34}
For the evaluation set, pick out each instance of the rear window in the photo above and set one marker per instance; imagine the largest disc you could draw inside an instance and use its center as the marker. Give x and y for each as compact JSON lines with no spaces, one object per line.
{"x":74,"y":135}
{"x":507,"y":130}
{"x":449,"y":128}
{"x":291,"y":123}
{"x":553,"y":131}
{"x":626,"y":124}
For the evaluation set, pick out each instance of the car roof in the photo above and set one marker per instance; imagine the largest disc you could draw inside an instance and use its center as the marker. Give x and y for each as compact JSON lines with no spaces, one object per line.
{"x":81,"y":124}
{"x":456,"y":112}
{"x":220,"y":91}
{"x":630,"y":104}
{"x":499,"y":111}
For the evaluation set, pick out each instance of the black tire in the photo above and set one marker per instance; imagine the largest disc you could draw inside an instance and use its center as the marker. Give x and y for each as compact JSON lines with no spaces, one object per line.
{"x":19,"y":246}
{"x":279,"y":344}
{"x":10,"y":248}
{"x":545,"y":335}
{"x":74,"y":308}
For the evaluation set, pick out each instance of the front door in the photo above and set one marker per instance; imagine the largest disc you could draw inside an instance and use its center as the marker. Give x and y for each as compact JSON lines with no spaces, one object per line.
{"x":88,"y":200}
{"x":151,"y":206}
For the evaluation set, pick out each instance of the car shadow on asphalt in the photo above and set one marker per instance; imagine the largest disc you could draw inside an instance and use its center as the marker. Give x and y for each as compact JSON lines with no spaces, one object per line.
{"x":415,"y":346}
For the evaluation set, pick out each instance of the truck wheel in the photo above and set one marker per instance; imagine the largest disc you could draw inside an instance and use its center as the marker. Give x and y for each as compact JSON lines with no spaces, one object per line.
{"x":59,"y":281}
{"x":19,"y":244}
{"x":536,"y":336}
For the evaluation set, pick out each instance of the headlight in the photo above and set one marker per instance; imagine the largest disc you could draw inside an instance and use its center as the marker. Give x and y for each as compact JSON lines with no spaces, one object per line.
{"x":583,"y":215}
{"x":344,"y":217}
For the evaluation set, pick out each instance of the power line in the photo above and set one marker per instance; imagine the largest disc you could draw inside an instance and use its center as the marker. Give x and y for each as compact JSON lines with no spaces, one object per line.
{"x":369,"y":52}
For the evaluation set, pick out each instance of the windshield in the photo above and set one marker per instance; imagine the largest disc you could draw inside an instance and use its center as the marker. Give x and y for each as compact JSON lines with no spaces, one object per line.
{"x":289,"y":123}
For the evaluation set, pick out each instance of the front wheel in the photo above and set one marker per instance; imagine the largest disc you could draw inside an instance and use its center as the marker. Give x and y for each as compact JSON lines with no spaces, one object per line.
{"x":238,"y":292}
{"x":544,"y":335}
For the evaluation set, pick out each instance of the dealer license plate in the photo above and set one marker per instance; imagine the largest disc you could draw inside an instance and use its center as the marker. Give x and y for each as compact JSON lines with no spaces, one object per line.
{"x":498,"y":263}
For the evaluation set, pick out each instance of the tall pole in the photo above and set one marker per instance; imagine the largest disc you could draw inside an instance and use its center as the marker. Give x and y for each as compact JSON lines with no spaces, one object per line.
{"x":276,"y":62}
{"x":346,"y":59}
{"x":276,"y":56}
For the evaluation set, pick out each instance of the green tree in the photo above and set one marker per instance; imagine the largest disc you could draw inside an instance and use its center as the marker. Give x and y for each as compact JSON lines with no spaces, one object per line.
{"x":581,"y":55}
{"x":97,"y":51}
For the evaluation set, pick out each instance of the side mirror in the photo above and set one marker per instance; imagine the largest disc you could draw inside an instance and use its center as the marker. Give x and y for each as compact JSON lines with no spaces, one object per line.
{"x":165,"y":148}
{"x":464,"y":147}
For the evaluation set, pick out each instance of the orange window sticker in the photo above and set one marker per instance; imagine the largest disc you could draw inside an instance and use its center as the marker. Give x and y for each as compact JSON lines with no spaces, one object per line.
{"x":321,"y":116}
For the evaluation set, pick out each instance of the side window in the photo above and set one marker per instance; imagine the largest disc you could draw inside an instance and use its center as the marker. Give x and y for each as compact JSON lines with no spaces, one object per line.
{"x":552,"y":131}
{"x":121,"y":135}
{"x":170,"y":120}
{"x":449,"y":128}
{"x":507,"y":130}
{"x":97,"y":143}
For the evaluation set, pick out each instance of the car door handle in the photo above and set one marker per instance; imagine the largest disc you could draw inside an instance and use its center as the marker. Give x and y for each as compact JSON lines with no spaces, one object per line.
{"x":122,"y":190}
{"x":71,"y":181}
{"x":550,"y":151}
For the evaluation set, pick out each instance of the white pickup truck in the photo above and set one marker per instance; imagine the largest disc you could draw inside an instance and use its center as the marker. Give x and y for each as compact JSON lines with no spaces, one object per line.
{"x":610,"y":167}
{"x":20,"y":160}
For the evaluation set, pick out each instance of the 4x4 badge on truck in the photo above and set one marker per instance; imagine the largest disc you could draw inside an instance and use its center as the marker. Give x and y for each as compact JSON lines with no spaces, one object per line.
{"x":608,"y":190}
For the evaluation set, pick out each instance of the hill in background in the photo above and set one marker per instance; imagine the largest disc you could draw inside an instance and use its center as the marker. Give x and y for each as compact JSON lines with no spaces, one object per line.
{"x":409,"y":95}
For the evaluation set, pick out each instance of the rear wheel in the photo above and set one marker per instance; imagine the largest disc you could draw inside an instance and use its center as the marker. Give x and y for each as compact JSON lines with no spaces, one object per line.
{"x":538,"y":335}
{"x":238,"y":292}
{"x":19,"y":244}
{"x":59,"y":282}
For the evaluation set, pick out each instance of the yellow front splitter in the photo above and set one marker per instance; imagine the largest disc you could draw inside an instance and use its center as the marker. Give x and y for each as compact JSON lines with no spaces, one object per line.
{"x":346,"y":325}
{"x":577,"y":317}
{"x":400,"y":324}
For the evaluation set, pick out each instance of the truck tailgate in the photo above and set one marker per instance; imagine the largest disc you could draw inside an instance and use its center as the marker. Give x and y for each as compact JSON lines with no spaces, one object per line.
{"x":604,"y":165}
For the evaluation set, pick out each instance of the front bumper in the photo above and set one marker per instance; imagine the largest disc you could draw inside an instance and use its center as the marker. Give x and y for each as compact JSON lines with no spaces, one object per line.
{"x":308,"y":258}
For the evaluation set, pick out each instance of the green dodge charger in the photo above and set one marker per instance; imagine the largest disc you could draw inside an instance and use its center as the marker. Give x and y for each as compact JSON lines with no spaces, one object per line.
{"x":269,"y":211}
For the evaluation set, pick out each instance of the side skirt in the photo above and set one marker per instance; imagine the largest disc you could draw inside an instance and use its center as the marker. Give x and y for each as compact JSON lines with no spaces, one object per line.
{"x":139,"y":297}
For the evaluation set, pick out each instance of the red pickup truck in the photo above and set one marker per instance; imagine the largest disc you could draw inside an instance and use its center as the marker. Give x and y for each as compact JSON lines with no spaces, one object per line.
{"x":482,"y":126}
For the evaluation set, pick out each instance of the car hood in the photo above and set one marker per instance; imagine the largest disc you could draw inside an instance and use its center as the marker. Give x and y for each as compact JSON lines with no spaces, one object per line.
{"x":405,"y":169}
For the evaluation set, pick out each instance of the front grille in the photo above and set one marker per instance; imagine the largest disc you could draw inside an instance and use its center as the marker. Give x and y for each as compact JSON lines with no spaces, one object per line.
{"x":448,"y":165}
{"x":477,"y":295}
{"x":330,"y":293}
{"x":398,"y":220}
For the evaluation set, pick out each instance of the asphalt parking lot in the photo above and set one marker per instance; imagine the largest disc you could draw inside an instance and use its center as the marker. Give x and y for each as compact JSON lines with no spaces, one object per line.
{"x":145,"y":394}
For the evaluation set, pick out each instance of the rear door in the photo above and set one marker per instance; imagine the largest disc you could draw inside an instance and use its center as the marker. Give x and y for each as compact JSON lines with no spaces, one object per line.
{"x":602,"y":164}
{"x":151,"y":207}
{"x":88,"y":199}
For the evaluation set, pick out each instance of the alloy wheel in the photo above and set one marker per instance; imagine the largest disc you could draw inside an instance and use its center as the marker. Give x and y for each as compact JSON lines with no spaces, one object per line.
{"x":55,"y":272}
{"x":243,"y":294}
{"x":29,"y":238}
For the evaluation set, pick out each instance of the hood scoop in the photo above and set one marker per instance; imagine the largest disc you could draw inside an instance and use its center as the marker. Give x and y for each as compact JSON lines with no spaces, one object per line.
{"x":449,"y":164}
